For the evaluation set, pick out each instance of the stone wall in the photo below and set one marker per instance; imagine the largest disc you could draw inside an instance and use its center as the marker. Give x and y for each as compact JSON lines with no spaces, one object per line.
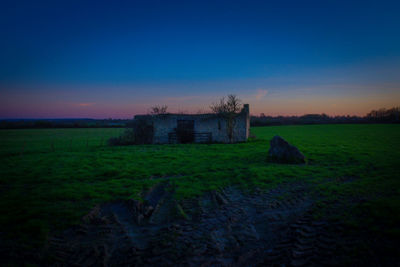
{"x":203,"y":123}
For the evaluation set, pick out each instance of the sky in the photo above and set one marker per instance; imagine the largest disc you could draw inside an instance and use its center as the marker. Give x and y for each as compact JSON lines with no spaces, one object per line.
{"x":115,"y":59}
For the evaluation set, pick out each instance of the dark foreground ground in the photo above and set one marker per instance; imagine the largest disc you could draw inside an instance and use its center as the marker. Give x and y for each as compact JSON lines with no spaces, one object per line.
{"x":68,"y":199}
{"x":227,"y":228}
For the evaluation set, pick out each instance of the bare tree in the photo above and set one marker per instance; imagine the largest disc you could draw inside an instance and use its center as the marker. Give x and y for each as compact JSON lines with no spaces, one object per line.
{"x":202,"y":111}
{"x":157,"y":110}
{"x":228,"y":109}
{"x":231,"y":105}
{"x":219,"y":107}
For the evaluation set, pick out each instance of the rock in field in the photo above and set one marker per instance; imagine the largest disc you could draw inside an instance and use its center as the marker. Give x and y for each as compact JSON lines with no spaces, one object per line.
{"x":283,"y":152}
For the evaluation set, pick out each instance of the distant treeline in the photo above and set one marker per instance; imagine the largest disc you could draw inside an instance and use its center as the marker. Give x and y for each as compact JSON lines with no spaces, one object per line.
{"x":382,"y":115}
{"x":375,"y":116}
{"x":305,"y":119}
{"x":385,"y":115}
{"x":62,"y":123}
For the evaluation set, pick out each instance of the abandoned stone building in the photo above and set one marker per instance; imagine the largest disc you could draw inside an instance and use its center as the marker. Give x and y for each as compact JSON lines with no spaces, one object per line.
{"x":188,"y":128}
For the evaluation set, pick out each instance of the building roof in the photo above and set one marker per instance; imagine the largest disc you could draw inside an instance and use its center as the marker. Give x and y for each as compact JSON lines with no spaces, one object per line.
{"x":169,"y":115}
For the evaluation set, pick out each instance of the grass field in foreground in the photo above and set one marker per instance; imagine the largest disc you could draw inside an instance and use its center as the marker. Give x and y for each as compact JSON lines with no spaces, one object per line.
{"x":50,"y":178}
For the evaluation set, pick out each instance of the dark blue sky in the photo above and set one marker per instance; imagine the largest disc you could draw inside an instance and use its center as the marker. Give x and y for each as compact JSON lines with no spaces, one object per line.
{"x":115,"y":58}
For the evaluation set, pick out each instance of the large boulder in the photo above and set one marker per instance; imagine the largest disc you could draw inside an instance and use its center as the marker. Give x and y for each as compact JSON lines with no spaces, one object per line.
{"x":283,"y":152}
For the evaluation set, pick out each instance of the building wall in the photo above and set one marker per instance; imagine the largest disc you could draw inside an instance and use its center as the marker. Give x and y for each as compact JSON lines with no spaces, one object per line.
{"x":203,"y":123}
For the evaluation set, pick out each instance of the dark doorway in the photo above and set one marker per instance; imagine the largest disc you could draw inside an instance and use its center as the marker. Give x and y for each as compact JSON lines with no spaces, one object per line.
{"x":185,"y":131}
{"x":144,"y":132}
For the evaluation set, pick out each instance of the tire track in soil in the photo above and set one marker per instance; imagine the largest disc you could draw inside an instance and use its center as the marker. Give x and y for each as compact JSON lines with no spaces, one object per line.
{"x":226,"y":228}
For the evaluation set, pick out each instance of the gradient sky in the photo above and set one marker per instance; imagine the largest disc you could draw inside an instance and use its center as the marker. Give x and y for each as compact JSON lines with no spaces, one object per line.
{"x":114,"y":59}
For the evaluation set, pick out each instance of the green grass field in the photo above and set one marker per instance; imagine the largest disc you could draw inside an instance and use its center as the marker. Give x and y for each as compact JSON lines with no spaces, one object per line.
{"x":50,"y":178}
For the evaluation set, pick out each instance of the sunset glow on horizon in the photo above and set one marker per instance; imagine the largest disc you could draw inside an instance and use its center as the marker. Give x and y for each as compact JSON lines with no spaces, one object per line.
{"x":68,"y":59}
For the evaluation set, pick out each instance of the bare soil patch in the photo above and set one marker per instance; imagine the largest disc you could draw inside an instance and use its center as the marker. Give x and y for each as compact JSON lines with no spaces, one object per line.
{"x":227,"y":228}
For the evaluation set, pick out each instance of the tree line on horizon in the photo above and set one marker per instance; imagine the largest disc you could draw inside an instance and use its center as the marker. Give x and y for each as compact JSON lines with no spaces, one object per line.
{"x":383,"y":115}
